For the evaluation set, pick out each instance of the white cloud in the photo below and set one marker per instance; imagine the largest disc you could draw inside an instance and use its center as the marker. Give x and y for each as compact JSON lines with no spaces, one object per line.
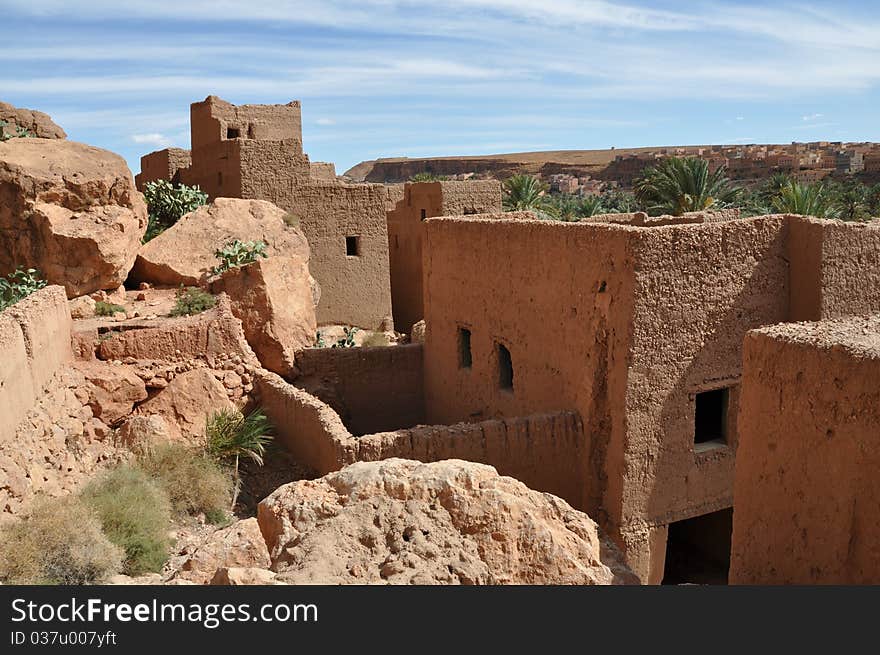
{"x":153,"y":139}
{"x":812,"y":117}
{"x":325,"y":121}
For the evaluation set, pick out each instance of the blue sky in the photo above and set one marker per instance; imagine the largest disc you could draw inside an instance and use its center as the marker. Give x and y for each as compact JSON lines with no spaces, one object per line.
{"x":455,"y":77}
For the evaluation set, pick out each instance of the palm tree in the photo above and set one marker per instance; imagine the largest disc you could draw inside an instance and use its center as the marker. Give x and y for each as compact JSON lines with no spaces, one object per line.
{"x":231,"y":435}
{"x":807,"y":200}
{"x":524,"y":192}
{"x":678,"y":185}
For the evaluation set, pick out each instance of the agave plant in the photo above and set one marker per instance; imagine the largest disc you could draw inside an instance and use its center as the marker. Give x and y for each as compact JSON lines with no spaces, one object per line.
{"x":231,"y":436}
{"x":684,"y":184}
{"x":807,"y":200}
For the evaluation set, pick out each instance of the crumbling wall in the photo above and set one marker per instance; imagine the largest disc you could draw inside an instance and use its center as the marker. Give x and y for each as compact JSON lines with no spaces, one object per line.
{"x":807,"y":494}
{"x":212,"y":119}
{"x":162,"y":165}
{"x":372,"y":389}
{"x":698,"y":290}
{"x":422,"y":200}
{"x":544,"y":451}
{"x":322,"y":171}
{"x":34,"y":344}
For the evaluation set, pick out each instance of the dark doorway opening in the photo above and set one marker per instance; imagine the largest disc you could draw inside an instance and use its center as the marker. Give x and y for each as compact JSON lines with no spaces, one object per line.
{"x":698,"y":549}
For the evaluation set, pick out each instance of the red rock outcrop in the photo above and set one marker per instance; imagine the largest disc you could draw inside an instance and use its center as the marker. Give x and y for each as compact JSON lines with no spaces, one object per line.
{"x":35,"y":122}
{"x":69,"y":210}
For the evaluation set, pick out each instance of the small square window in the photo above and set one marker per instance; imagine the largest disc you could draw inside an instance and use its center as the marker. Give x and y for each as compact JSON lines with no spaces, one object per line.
{"x":710,"y":417}
{"x":505,"y":368}
{"x":353,"y":246}
{"x":232,"y":133}
{"x":465,"y":359}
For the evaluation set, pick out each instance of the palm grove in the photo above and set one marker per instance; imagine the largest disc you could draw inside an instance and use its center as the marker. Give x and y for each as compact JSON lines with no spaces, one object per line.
{"x":678,"y":185}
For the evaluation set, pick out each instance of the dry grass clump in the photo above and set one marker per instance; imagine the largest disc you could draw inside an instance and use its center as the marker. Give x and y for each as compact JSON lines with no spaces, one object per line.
{"x":59,"y":542}
{"x":135,"y":514}
{"x":194,"y":482}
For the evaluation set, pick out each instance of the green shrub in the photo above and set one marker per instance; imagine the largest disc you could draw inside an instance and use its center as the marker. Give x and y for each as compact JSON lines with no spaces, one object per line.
{"x":167,"y":203}
{"x":13,"y":131}
{"x":107,"y":308}
{"x":238,"y":253}
{"x":192,"y":300}
{"x":59,"y":542}
{"x":135,"y":515}
{"x":193,"y":481}
{"x":231,"y":436}
{"x":427,"y":177}
{"x":19,"y":285}
{"x":348,"y":340}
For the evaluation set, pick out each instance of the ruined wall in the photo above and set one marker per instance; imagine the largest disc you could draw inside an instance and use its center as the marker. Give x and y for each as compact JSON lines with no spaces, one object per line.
{"x":162,"y":165}
{"x":372,"y":389}
{"x":212,"y":119}
{"x":698,"y":290}
{"x":34,"y":344}
{"x":424,"y":200}
{"x":807,"y":494}
{"x":544,"y":451}
{"x":557,"y":296}
{"x":322,"y":171}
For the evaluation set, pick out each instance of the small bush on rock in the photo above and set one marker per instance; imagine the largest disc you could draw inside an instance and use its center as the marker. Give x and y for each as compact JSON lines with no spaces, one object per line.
{"x":167,"y":203}
{"x":59,"y":542}
{"x":135,"y":514}
{"x":19,"y":285}
{"x":238,"y":253}
{"x":193,"y":481}
{"x":192,"y":300}
{"x":107,"y":308}
{"x":9,"y":131}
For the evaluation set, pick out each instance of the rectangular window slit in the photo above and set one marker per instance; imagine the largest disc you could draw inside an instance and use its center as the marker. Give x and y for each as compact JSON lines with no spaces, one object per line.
{"x":465,"y":359}
{"x":505,"y":368}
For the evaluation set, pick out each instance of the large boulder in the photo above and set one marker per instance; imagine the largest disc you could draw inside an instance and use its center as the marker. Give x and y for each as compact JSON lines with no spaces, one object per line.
{"x":451,"y":522}
{"x":187,"y":402}
{"x":35,"y":122}
{"x":273,"y":299}
{"x":184,"y":253}
{"x":69,"y":210}
{"x":112,"y":390}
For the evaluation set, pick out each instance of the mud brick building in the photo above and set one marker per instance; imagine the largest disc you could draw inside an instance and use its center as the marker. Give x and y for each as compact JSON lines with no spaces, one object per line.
{"x":256,"y":151}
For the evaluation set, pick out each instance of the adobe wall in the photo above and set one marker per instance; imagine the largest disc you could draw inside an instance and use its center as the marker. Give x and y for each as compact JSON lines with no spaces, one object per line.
{"x":211,"y":119}
{"x":34,"y":344}
{"x":162,"y":165}
{"x":372,"y":389}
{"x":423,"y":200}
{"x":698,"y":290}
{"x":322,"y":171}
{"x":541,"y":450}
{"x":357,"y":289}
{"x":557,"y":295}
{"x":806,"y":493}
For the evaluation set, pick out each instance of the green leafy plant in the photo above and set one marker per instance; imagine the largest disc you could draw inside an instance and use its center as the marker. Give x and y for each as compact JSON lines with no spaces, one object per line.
{"x":524,"y":192}
{"x":238,"y":253}
{"x":60,"y":541}
{"x":192,"y":300}
{"x":14,"y":131}
{"x":684,"y":184}
{"x":427,"y":177}
{"x":107,"y":309}
{"x":807,"y":200}
{"x":135,"y":514}
{"x":319,"y":340}
{"x":348,"y":340}
{"x":193,"y":481}
{"x":231,"y":435}
{"x":167,"y":203}
{"x":19,"y":285}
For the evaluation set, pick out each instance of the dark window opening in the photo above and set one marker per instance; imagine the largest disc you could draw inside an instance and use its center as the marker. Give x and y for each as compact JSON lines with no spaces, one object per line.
{"x":470,"y":212}
{"x":219,"y":178}
{"x":352,"y":246}
{"x":251,"y":132}
{"x":465,"y":359}
{"x":424,"y":214}
{"x":232,"y":133}
{"x":505,"y":368}
{"x":698,"y":549}
{"x":396,"y":241}
{"x":710,"y":416}
{"x":603,"y":286}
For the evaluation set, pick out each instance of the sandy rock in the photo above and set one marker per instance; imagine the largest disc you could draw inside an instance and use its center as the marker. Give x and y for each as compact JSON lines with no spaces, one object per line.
{"x":36,"y":122}
{"x":113,"y":389}
{"x":69,"y":210}
{"x":187,"y":402}
{"x":235,"y":575}
{"x":240,"y":545}
{"x":184,"y":253}
{"x":451,"y":522}
{"x":139,"y":433}
{"x":418,"y":332}
{"x":273,"y":299}
{"x":82,"y":307}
